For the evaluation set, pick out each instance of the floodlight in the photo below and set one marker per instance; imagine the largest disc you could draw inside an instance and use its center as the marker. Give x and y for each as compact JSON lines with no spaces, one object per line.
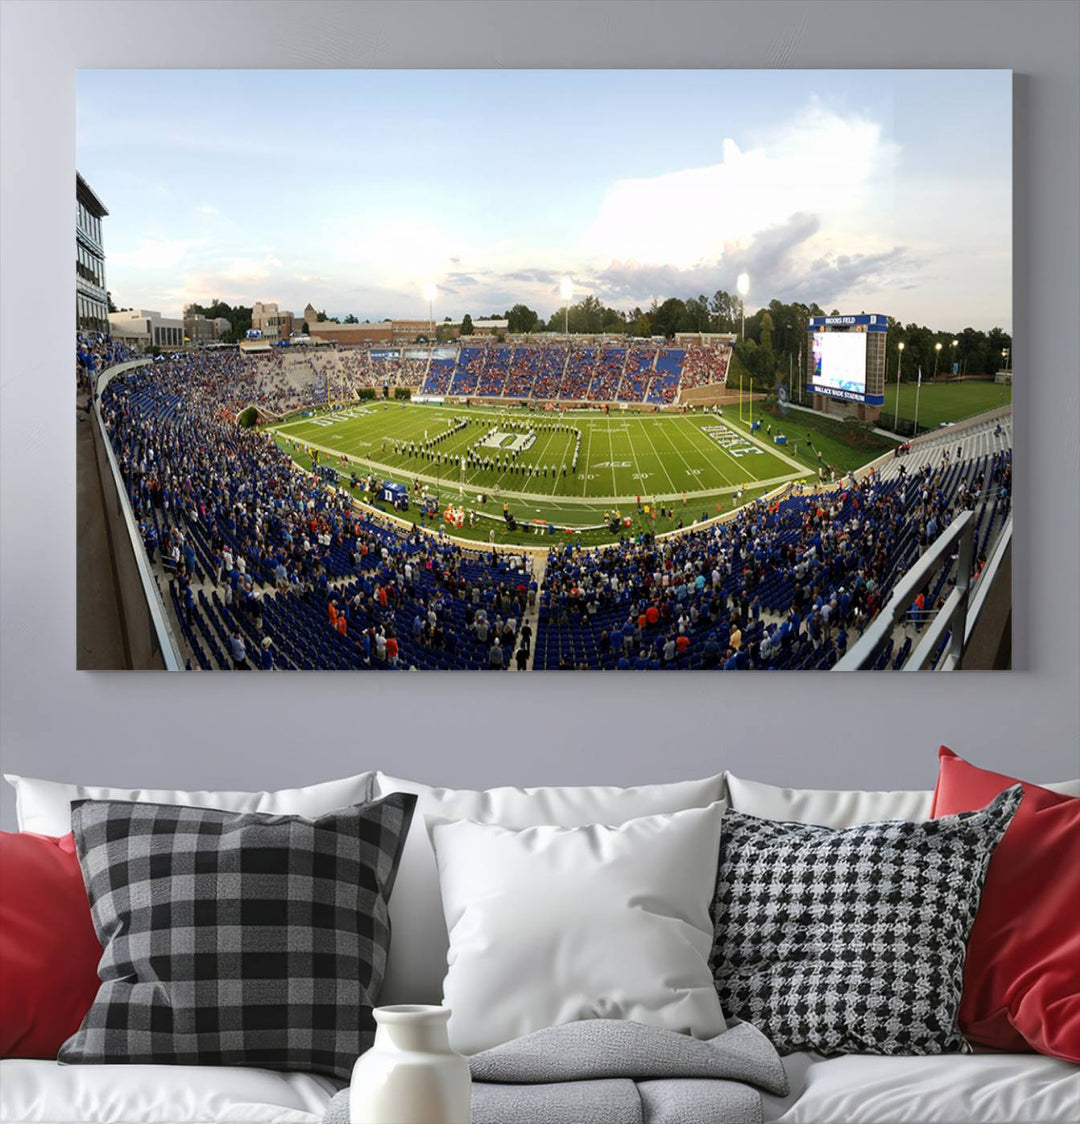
{"x":742,"y":284}
{"x":566,"y":288}
{"x":430,"y":290}
{"x":900,"y":345}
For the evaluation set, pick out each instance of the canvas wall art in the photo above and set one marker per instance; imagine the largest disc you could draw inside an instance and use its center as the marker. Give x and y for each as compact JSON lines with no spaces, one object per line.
{"x":539,"y":370}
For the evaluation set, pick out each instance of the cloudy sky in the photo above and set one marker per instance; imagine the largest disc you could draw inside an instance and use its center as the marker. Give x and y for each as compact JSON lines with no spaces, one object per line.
{"x":877,"y":191}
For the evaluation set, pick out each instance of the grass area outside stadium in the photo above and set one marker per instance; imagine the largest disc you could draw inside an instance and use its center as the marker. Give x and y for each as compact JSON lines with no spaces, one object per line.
{"x":944,"y":401}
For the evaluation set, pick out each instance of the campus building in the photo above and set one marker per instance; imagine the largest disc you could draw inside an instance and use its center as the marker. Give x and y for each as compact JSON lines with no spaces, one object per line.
{"x":394,"y":332}
{"x":274,"y":324}
{"x":199,"y":329}
{"x":145,"y":329}
{"x":91,"y":298}
{"x":346,"y":334}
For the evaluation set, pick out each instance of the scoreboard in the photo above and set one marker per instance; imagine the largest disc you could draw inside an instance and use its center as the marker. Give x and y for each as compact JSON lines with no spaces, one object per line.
{"x":847,"y":358}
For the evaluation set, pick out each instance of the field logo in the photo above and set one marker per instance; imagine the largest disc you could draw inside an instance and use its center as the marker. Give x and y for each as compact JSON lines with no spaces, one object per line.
{"x":612,"y":464}
{"x":353,"y":413}
{"x":734,"y":444}
{"x":504,"y":442}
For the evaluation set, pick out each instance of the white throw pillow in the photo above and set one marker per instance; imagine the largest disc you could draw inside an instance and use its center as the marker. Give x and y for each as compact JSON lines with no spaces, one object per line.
{"x":418,"y":942}
{"x":551,"y":925}
{"x":44,"y":807}
{"x":836,"y":808}
{"x":839,"y":808}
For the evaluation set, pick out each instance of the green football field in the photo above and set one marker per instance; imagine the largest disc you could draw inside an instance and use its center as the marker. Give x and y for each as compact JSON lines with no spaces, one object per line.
{"x":691,"y":465}
{"x":944,"y":402}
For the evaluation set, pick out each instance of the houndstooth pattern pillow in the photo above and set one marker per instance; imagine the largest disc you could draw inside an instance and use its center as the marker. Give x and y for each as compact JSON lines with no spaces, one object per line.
{"x":236,"y":939}
{"x":851,"y":941}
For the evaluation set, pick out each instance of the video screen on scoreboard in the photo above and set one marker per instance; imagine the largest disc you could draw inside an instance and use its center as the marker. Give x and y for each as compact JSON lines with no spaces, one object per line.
{"x":839,"y":362}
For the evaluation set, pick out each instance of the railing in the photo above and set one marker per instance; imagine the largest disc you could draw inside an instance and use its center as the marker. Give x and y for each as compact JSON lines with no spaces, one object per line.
{"x":951,"y":618}
{"x":989,"y":616}
{"x":162,"y":637}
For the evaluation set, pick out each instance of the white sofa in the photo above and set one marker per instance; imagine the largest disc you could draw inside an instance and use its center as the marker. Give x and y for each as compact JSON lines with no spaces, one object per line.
{"x":980,"y":1088}
{"x":988,"y":1089}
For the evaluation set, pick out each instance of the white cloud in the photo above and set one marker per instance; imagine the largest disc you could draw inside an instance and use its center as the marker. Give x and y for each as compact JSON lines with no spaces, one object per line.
{"x":207,"y":209}
{"x":155,"y":253}
{"x":821,"y":164}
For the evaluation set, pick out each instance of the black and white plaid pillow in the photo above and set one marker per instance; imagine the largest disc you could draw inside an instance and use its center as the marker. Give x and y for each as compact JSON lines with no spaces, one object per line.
{"x":237,"y":938}
{"x":851,"y":941}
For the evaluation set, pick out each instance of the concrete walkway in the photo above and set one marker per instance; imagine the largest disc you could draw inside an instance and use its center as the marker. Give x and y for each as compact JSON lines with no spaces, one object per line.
{"x":99,"y":632}
{"x":532,"y":614}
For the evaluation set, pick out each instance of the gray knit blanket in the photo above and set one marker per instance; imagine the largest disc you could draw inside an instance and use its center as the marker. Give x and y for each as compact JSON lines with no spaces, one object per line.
{"x":606,"y":1071}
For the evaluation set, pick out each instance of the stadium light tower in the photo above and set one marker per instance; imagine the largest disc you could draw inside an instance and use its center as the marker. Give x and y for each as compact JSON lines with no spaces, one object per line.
{"x":937,"y":353}
{"x":566,"y":291}
{"x":430,"y":289}
{"x":952,"y":356}
{"x":742,"y":287}
{"x":899,"y":368}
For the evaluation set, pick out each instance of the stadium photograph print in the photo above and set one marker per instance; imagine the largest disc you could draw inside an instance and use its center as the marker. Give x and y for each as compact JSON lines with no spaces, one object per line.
{"x":729,"y":391}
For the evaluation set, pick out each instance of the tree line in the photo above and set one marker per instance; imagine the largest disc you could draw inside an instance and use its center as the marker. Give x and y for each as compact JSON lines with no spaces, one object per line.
{"x":239,"y":318}
{"x":774,"y":344}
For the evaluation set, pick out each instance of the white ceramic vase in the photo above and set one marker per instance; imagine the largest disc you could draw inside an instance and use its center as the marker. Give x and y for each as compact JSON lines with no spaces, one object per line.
{"x":410,"y":1075}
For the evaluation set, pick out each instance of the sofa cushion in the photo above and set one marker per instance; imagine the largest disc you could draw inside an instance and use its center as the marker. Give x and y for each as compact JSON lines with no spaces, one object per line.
{"x":551,"y":925}
{"x":839,"y":807}
{"x":1022,"y":975}
{"x":44,"y":807}
{"x":971,"y":1089}
{"x":48,"y":950}
{"x":236,"y":939}
{"x":950,"y":1089}
{"x":417,"y":964}
{"x":42,"y":1092}
{"x":851,"y":941}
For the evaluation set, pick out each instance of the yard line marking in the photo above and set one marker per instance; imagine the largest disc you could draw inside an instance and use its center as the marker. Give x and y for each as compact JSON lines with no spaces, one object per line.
{"x":660,"y":459}
{"x":611,"y":456}
{"x":709,"y":451}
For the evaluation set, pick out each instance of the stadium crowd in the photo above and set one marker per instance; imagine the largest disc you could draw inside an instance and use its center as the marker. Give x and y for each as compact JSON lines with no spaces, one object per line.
{"x":94,"y":351}
{"x":703,"y":365}
{"x":256,"y":549}
{"x":786,"y":584}
{"x":271,"y":567}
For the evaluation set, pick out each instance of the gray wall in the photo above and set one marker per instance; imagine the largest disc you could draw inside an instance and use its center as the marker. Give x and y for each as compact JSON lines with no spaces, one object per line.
{"x":230,"y":731}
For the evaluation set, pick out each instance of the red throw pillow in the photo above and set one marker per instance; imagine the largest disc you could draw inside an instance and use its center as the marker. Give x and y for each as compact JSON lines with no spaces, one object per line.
{"x":1022,"y":975}
{"x":48,"y":950}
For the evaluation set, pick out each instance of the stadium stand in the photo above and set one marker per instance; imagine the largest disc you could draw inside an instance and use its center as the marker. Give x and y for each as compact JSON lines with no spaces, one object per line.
{"x":470,"y":363}
{"x":702,"y":365}
{"x":440,"y":372}
{"x":94,"y":351}
{"x":256,"y":550}
{"x":638,"y":374}
{"x":494,"y":374}
{"x":524,"y":367}
{"x":578,"y":373}
{"x":252,"y":548}
{"x":289,"y":378}
{"x":783,"y":586}
{"x":604,"y":385}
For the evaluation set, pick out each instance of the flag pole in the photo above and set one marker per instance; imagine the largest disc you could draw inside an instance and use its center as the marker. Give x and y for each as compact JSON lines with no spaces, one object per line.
{"x":918,"y":387}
